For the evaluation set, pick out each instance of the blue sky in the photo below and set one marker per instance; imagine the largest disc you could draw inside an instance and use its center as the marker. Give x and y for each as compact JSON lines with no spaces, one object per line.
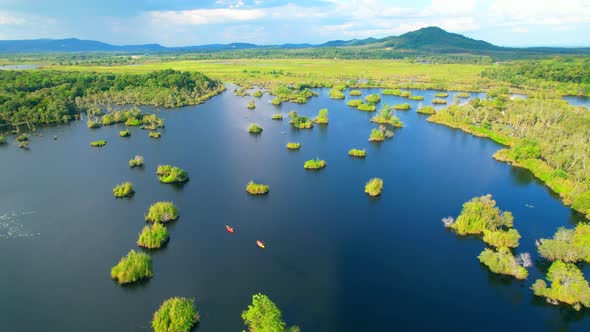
{"x":184,"y":22}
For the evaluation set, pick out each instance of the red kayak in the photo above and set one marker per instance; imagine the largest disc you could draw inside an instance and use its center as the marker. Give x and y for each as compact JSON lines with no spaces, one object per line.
{"x":229,"y":229}
{"x":260,"y":244}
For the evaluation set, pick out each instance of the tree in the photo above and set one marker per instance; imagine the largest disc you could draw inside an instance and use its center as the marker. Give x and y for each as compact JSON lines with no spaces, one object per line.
{"x":263,"y":315}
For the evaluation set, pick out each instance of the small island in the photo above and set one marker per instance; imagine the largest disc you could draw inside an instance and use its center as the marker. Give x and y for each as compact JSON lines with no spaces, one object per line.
{"x":463,"y":95}
{"x":264,"y":316}
{"x":568,"y":286}
{"x":153,"y":236}
{"x":355,"y":93}
{"x":293,"y":146}
{"x":374,"y":187}
{"x":177,"y":314}
{"x":357,"y":153}
{"x":391,"y":92}
{"x":299,"y":121}
{"x":439,"y":101}
{"x":98,"y":144}
{"x":93,"y":124}
{"x":374,"y":98}
{"x":315,"y":164}
{"x":171,"y":174}
{"x":354,"y":102}
{"x":278,"y":116}
{"x":2,"y":140}
{"x":502,"y":261}
{"x":276,"y":102}
{"x":418,"y":98}
{"x":255,"y":128}
{"x":426,"y":110}
{"x":256,"y":188}
{"x":22,"y":138}
{"x":567,"y":245}
{"x":377,"y":135}
{"x":501,"y":238}
{"x":133,"y":122}
{"x":123,"y":190}
{"x":385,"y":116}
{"x":366,"y":107}
{"x":137,"y":161}
{"x":479,"y":214}
{"x":124,"y":133}
{"x":133,"y":267}
{"x":257,"y":94}
{"x":322,"y":117}
{"x":251,"y":105}
{"x":336,"y":94}
{"x":162,"y":212}
{"x":441,"y":95}
{"x":154,"y":134}
{"x":402,"y":107}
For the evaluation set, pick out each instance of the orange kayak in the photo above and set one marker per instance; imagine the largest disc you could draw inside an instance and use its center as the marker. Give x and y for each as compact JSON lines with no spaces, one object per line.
{"x":229,"y":229}
{"x":260,"y":244}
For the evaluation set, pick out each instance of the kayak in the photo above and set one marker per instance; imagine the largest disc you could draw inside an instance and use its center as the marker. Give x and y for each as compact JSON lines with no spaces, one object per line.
{"x":260,"y":244}
{"x":229,"y":229}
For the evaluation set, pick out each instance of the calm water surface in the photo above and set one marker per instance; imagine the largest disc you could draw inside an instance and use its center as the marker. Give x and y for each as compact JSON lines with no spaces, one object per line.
{"x":336,"y":260}
{"x":578,"y":101}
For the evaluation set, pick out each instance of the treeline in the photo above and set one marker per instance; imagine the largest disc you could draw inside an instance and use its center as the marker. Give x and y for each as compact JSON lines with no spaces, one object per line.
{"x":547,"y":136}
{"x":42,"y":97}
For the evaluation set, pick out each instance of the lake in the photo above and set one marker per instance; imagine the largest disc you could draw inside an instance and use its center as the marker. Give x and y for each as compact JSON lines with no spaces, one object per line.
{"x":336,"y":260}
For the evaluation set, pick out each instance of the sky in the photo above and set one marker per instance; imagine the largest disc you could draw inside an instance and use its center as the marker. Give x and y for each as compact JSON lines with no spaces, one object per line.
{"x":184,"y":22}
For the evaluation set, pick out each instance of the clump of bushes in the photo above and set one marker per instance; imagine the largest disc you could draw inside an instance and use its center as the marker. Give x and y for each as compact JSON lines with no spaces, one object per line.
{"x":374,"y":187}
{"x":255,"y":128}
{"x":439,"y":101}
{"x":403,"y":107}
{"x":354,"y":102}
{"x":374,"y":98}
{"x":568,"y":285}
{"x":22,"y":138}
{"x":123,"y":190}
{"x":278,"y":116}
{"x":133,"y":122}
{"x":264,"y":316}
{"x":258,"y":94}
{"x":256,"y":188}
{"x":322,"y":117}
{"x":121,"y":116}
{"x":463,"y":95}
{"x":171,"y":174}
{"x":162,"y":212}
{"x":153,"y":236}
{"x":385,"y":116}
{"x":276,"y":102}
{"x":133,"y":267}
{"x":97,"y":144}
{"x":124,"y":133}
{"x":480,"y":214}
{"x":502,"y":261}
{"x":177,"y":314}
{"x":299,"y":121}
{"x":377,"y":135}
{"x":151,"y":122}
{"x":501,"y":238}
{"x":137,"y":161}
{"x":154,"y":134}
{"x":357,"y":153}
{"x":336,"y":94}
{"x":406,"y":94}
{"x":441,"y":95}
{"x":93,"y":124}
{"x":366,"y":107}
{"x":568,"y":245}
{"x":314,"y":164}
{"x":2,"y":140}
{"x":251,"y":105}
{"x":426,"y":110}
{"x":412,"y":97}
{"x":293,"y":145}
{"x":391,"y":92}
{"x":355,"y":93}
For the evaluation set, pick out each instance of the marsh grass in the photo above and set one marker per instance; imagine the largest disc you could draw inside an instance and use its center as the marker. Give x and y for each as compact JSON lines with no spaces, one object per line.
{"x":256,"y":188}
{"x":124,"y":189}
{"x":162,"y":212}
{"x":374,"y":187}
{"x":133,"y":267}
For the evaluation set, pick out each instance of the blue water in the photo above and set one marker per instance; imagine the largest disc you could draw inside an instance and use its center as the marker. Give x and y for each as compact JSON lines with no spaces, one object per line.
{"x":336,"y":260}
{"x":578,"y":101}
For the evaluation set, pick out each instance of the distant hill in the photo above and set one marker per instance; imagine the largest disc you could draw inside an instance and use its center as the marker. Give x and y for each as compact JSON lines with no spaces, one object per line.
{"x":425,"y":40}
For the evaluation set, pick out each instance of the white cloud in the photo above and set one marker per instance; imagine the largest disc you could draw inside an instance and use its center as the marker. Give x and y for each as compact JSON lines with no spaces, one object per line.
{"x":10,"y":19}
{"x":205,"y":16}
{"x":540,"y":12}
{"x":230,"y":3}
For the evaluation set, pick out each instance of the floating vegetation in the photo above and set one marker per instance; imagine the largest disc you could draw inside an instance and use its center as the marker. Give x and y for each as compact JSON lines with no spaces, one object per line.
{"x":133,"y":267}
{"x":22,"y":138}
{"x":391,"y":92}
{"x":251,"y":105}
{"x":441,"y":95}
{"x":374,"y":98}
{"x":374,"y":187}
{"x":133,"y":122}
{"x":369,"y":107}
{"x":258,"y":94}
{"x":11,"y":226}
{"x":426,"y":110}
{"x":278,"y":116}
{"x":125,"y":133}
{"x":255,"y":128}
{"x":276,"y":102}
{"x":502,"y":261}
{"x":151,"y":122}
{"x":462,"y":95}
{"x":354,"y":102}
{"x":439,"y":101}
{"x":98,"y":144}
{"x":154,"y":134}
{"x":322,"y":117}
{"x":293,"y":146}
{"x":357,"y":153}
{"x":137,"y":161}
{"x":162,"y":212}
{"x":93,"y":124}
{"x":315,"y":164}
{"x":402,"y":107}
{"x":256,"y":188}
{"x":385,"y":116}
{"x":2,"y":140}
{"x":336,"y":94}
{"x":299,"y":121}
{"x":241,"y":92}
{"x":412,"y":97}
{"x":153,"y":236}
{"x":377,"y":135}
{"x":355,"y":93}
{"x":24,"y":145}
{"x":171,"y":174}
{"x":177,"y":314}
{"x":123,"y":190}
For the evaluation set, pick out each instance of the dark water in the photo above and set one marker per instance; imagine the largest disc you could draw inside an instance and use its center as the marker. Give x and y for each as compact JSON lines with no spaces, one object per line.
{"x":578,"y":101}
{"x":336,"y":260}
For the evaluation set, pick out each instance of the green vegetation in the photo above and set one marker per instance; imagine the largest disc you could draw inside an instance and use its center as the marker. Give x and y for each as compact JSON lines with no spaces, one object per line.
{"x":463,"y":95}
{"x":2,"y":140}
{"x":258,"y":94}
{"x":336,"y":94}
{"x":369,"y":107}
{"x":322,"y":117}
{"x":441,"y":95}
{"x":480,"y":214}
{"x":568,"y":285}
{"x":412,"y":97}
{"x":406,"y":94}
{"x":402,"y":107}
{"x":93,"y":124}
{"x":124,"y":133}
{"x":439,"y":101}
{"x":154,"y":134}
{"x":426,"y":110}
{"x":255,"y":128}
{"x":162,"y":212}
{"x":137,"y":161}
{"x":385,"y":116}
{"x":151,"y":122}
{"x":22,"y":138}
{"x":120,"y":116}
{"x":568,"y":245}
{"x":23,"y":145}
{"x":374,"y":98}
{"x":374,"y":187}
{"x":257,"y":189}
{"x":501,"y":238}
{"x":133,"y":267}
{"x":133,"y":122}
{"x":354,"y":102}
{"x":357,"y":153}
{"x":292,"y":93}
{"x":251,"y":105}
{"x":177,"y":314}
{"x":98,"y":143}
{"x":502,"y":261}
{"x":315,"y":164}
{"x":276,"y":102}
{"x":377,"y":135}
{"x":123,"y":190}
{"x":293,"y":146}
{"x":153,"y":236}
{"x":299,"y":121}
{"x":355,"y":93}
{"x":278,"y":116}
{"x":391,"y":92}
{"x":171,"y":174}
{"x":264,"y":316}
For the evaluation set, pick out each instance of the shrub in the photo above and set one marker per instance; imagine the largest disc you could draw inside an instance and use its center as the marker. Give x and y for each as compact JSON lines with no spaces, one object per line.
{"x":354,"y":102}
{"x":133,"y":122}
{"x":251,"y":105}
{"x":276,"y":102}
{"x":501,"y":238}
{"x":137,"y":161}
{"x":293,"y":146}
{"x":98,"y":143}
{"x":162,"y":212}
{"x":153,"y":236}
{"x":277,"y":116}
{"x":355,"y":93}
{"x":406,"y":94}
{"x":264,"y":316}
{"x":441,"y":95}
{"x":322,"y":117}
{"x":23,"y":145}
{"x":133,"y":267}
{"x":479,"y":214}
{"x":426,"y":110}
{"x":357,"y":153}
{"x":255,"y":128}
{"x":298,"y":121}
{"x":526,"y":149}
{"x":463,"y":95}
{"x":22,"y":138}
{"x":374,"y":98}
{"x":391,"y":92}
{"x":171,"y":174}
{"x":93,"y":124}
{"x":125,"y":133}
{"x":438,"y":101}
{"x":257,"y":189}
{"x":154,"y":134}
{"x":403,"y":107}
{"x":151,"y":122}
{"x":377,"y":135}
{"x":582,"y":202}
{"x":416,"y":97}
{"x":374,"y":187}
{"x":568,"y":285}
{"x":568,"y":245}
{"x":258,"y":94}
{"x":366,"y":107}
{"x":336,"y":94}
{"x":314,"y":164}
{"x":123,"y":190}
{"x":177,"y":314}
{"x":502,"y":262}
{"x":2,"y":140}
